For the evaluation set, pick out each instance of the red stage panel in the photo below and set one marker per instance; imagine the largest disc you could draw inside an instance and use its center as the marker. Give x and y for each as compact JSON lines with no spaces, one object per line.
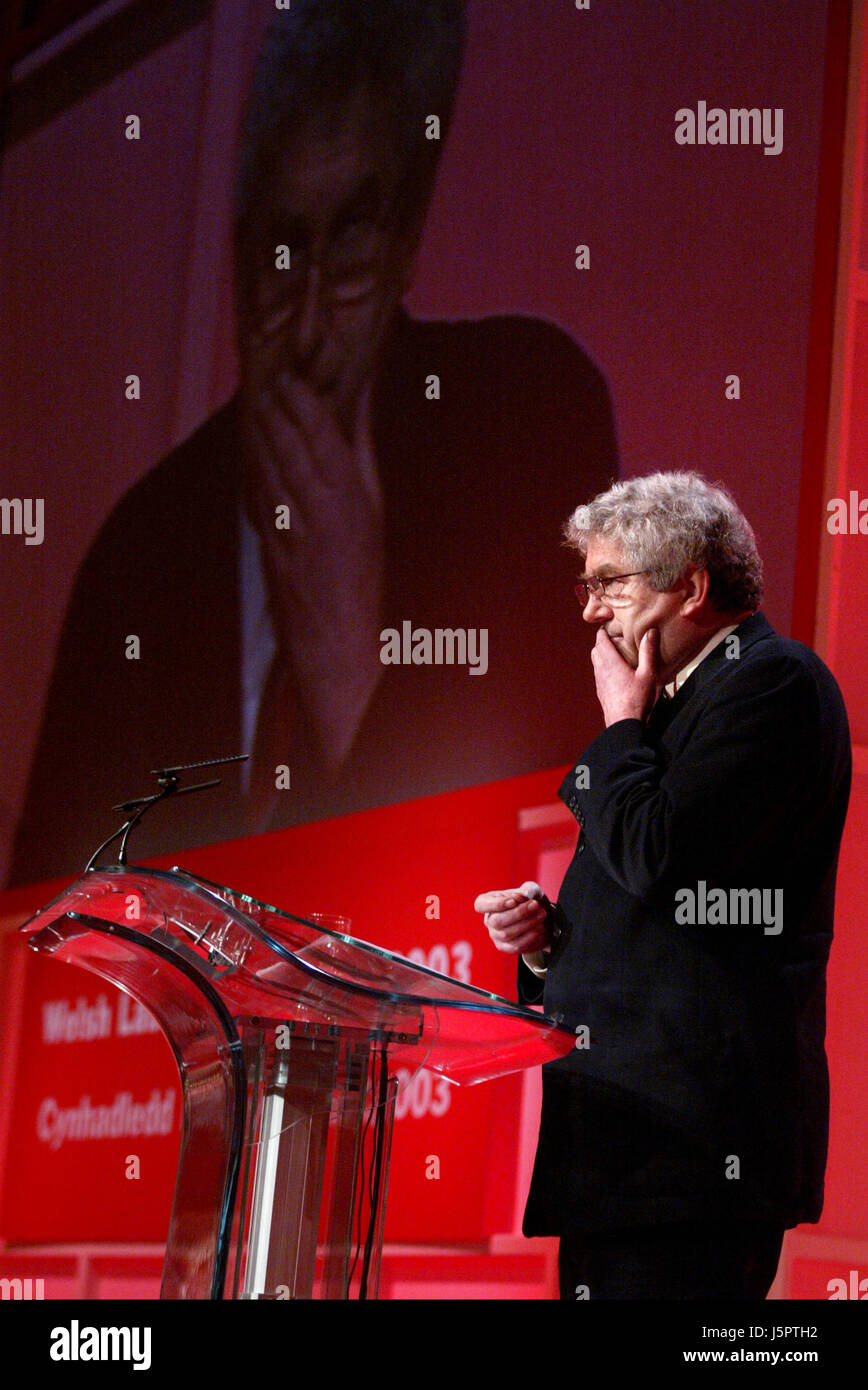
{"x":93,"y":1149}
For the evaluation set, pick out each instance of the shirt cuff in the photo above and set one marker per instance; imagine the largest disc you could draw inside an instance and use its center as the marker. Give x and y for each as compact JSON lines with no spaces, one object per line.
{"x":538,"y":962}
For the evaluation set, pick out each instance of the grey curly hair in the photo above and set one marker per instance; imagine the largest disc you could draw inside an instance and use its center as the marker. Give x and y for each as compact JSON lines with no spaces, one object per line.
{"x":667,"y":521}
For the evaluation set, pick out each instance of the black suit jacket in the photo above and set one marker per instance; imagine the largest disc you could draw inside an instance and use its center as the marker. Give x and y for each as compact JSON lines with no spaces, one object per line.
{"x":704,"y":1090}
{"x":476,"y":487}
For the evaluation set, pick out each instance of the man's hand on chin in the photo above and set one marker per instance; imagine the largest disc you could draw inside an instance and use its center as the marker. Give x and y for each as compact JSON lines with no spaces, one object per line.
{"x":625,"y":692}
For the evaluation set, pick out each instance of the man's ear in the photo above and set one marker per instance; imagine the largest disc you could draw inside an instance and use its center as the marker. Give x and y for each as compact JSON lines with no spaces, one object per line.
{"x":696,"y":586}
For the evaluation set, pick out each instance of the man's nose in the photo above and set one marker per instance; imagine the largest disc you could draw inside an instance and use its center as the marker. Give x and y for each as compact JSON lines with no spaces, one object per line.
{"x":309,"y":323}
{"x":596,"y":609}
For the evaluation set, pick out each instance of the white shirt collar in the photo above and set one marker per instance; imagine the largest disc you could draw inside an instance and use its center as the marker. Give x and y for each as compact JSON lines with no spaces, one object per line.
{"x":687,"y":671}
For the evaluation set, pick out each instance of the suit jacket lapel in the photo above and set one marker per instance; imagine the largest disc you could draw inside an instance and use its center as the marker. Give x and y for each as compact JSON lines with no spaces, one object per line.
{"x":753,"y":629}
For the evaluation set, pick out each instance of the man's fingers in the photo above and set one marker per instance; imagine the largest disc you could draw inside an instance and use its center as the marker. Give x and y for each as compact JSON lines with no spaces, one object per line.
{"x":284,"y":436}
{"x":499,"y":901}
{"x":529,"y":941}
{"x":283,"y":465}
{"x":604,"y":653}
{"x":649,"y":649}
{"x":271,"y":483}
{"x":531,"y":889}
{"x":513,"y":924}
{"x":328,"y":447}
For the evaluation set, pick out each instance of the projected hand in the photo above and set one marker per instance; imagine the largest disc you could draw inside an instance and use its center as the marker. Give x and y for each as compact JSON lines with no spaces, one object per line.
{"x":325,"y":573}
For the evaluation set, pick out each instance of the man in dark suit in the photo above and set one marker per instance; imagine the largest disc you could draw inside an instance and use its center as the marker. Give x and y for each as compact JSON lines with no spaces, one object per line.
{"x":370,"y":472}
{"x":689,"y":942}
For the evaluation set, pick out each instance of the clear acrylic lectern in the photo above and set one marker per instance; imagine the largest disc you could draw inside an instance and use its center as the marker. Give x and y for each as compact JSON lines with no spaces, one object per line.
{"x":287,"y":1037}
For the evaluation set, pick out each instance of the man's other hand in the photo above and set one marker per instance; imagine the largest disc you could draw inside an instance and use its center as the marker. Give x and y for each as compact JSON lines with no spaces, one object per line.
{"x":516,"y":922}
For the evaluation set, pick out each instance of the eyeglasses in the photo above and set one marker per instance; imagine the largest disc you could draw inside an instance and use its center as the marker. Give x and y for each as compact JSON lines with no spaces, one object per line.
{"x":597,"y":586}
{"x":350,"y":267}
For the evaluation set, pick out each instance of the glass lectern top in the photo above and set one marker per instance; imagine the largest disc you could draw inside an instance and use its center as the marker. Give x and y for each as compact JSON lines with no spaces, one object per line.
{"x":269,"y":963}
